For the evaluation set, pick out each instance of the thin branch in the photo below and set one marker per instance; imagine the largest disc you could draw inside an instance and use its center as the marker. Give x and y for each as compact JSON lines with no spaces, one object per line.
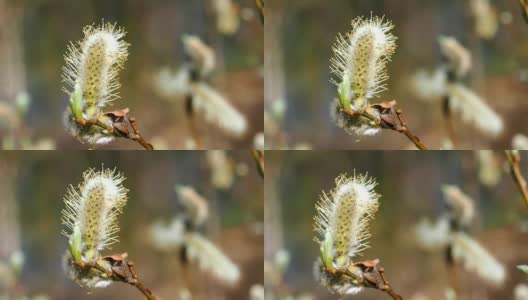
{"x":121,"y":270}
{"x":123,"y":126}
{"x":514,"y":159}
{"x":260,"y":6}
{"x":524,"y":8}
{"x":258,"y":155}
{"x":368,"y":274}
{"x":391,"y":118}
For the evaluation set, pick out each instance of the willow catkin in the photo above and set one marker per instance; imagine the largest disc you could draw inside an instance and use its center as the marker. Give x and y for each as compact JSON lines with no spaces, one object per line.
{"x":92,"y":209}
{"x":195,"y":204}
{"x":211,"y":259}
{"x":203,"y":57}
{"x":458,"y":57}
{"x":344,"y":215}
{"x":474,"y":257}
{"x":359,"y":60}
{"x":520,"y":142}
{"x":91,"y":77}
{"x":94,"y":64}
{"x":462,"y":207}
{"x":473,"y":109}
{"x":217,"y":111}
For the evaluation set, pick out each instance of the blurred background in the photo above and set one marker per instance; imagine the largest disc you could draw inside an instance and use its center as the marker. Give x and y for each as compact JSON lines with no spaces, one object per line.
{"x":410,"y":187}
{"x":31,"y":200}
{"x":34,"y":35}
{"x":298,"y":46}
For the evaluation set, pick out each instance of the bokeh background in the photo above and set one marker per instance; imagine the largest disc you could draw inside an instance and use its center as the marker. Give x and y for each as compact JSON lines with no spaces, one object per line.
{"x":410,"y":187}
{"x":299,"y":36}
{"x":34,"y":35}
{"x":31,"y":193}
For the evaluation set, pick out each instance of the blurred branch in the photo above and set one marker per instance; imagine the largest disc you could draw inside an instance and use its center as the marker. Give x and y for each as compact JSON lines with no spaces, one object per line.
{"x":514,"y":160}
{"x":258,"y":155}
{"x":9,"y":206}
{"x":390,"y":118}
{"x":121,"y":270}
{"x":260,"y":5}
{"x":524,"y":7}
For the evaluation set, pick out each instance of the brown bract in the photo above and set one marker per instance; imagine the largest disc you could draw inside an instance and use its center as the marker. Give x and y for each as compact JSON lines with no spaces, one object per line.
{"x":121,"y":269}
{"x":390,"y":118}
{"x":369,"y":274}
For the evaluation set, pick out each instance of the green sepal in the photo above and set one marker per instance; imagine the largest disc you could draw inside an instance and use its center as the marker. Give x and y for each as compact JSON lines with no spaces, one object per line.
{"x":326,"y":251}
{"x":76,"y":102}
{"x":75,"y":244}
{"x":343,"y":89}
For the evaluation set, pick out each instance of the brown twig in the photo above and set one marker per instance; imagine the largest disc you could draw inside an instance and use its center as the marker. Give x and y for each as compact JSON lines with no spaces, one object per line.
{"x":258,"y":155}
{"x":121,"y":269}
{"x":514,"y":160}
{"x":122,"y":126}
{"x":391,"y":118}
{"x":368,"y":274}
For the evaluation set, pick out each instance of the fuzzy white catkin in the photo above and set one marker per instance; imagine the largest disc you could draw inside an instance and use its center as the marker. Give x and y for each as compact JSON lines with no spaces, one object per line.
{"x":92,"y":135}
{"x":458,"y":57}
{"x":92,"y":68}
{"x":227,"y":19}
{"x":93,"y":208}
{"x":256,"y":292}
{"x":432,"y":236}
{"x":520,"y":142}
{"x":171,"y":84}
{"x":489,"y":168}
{"x":345,"y":214}
{"x":461,"y":205}
{"x":259,"y":141}
{"x":222,"y":169}
{"x":521,"y":291}
{"x":211,"y":259}
{"x":474,"y":109}
{"x":354,"y":125}
{"x":486,"y":20}
{"x":430,"y":86}
{"x":217,"y":110}
{"x":196,"y":205}
{"x":468,"y":252}
{"x":344,"y":286}
{"x":361,"y":55}
{"x":166,"y":237}
{"x":203,"y":56}
{"x":94,"y":64}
